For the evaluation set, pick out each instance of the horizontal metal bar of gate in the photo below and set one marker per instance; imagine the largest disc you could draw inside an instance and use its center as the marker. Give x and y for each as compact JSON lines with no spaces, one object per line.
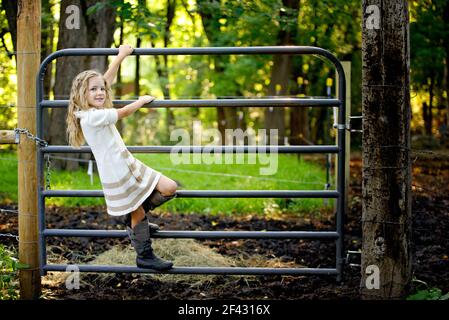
{"x":202,"y":149}
{"x":194,"y":270}
{"x":210,"y":193}
{"x":205,"y":103}
{"x":296,"y":50}
{"x":197,"y":234}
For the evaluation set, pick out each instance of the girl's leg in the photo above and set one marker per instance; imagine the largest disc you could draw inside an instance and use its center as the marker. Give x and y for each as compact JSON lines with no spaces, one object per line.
{"x":166,"y":186}
{"x":137,"y":216}
{"x":165,"y":190}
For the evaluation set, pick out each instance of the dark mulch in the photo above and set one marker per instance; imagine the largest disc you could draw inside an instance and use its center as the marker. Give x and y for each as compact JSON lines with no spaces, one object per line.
{"x":430,"y":247}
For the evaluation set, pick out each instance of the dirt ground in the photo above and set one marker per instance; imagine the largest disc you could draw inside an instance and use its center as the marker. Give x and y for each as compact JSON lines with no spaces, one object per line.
{"x":430,"y":246}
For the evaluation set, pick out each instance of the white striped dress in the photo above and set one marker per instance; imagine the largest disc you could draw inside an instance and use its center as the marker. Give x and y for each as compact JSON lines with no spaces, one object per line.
{"x":126,"y":181}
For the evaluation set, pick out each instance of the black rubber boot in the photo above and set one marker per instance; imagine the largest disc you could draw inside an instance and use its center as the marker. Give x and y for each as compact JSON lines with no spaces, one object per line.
{"x":140,"y":240}
{"x":156,"y":199}
{"x":153,"y":201}
{"x":152,"y":226}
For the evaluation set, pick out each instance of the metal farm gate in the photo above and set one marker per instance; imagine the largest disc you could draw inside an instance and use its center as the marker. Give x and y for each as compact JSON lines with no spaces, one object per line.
{"x":338,"y":149}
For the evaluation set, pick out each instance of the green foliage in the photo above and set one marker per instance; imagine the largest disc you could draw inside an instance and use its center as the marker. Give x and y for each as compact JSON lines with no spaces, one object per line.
{"x":142,"y":21}
{"x":9,"y":278}
{"x":331,"y":24}
{"x":428,"y":31}
{"x":423,"y":292}
{"x":8,"y":90}
{"x":429,"y":294}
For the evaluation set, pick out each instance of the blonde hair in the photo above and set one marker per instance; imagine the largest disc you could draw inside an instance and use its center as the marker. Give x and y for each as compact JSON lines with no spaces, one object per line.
{"x":78,"y":102}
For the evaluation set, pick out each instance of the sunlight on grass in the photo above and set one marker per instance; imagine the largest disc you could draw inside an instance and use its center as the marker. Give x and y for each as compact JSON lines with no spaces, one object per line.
{"x":292,"y":173}
{"x":8,"y":182}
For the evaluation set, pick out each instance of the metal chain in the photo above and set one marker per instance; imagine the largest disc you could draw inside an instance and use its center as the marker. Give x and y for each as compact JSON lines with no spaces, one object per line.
{"x":29,"y":135}
{"x":42,"y":143}
{"x":48,"y":175}
{"x":8,"y":211}
{"x":9,"y":235}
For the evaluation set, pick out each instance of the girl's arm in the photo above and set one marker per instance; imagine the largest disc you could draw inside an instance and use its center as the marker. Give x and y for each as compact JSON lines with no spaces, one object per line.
{"x":132,"y":107}
{"x":111,"y":73}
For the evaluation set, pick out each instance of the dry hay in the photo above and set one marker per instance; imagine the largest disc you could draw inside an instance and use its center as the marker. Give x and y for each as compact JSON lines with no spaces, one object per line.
{"x":183,"y":252}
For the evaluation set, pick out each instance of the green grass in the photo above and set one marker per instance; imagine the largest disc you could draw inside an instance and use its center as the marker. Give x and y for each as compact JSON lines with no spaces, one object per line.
{"x":292,"y":174}
{"x":8,"y":181}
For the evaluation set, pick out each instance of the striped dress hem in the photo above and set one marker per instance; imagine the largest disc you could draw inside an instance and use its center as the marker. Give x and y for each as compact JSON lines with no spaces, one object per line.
{"x":141,"y":199}
{"x":143,"y":182}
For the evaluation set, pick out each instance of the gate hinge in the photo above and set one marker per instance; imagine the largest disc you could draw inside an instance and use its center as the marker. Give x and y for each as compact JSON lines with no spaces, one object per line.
{"x":349,"y":258}
{"x":347,"y":126}
{"x":343,"y":126}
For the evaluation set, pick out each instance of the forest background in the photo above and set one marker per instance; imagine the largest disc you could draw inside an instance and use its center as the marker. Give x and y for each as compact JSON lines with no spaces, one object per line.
{"x":334,"y":25}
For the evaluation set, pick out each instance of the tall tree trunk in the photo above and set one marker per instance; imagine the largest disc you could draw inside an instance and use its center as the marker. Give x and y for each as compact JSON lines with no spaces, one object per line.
{"x":429,"y":119}
{"x":299,"y":119}
{"x":446,"y":67}
{"x":446,"y":88}
{"x":95,"y":31}
{"x":11,"y":8}
{"x":425,"y":116}
{"x":282,"y":71}
{"x":171,"y":6}
{"x":275,"y":116}
{"x":210,"y":16}
{"x":162,"y":66}
{"x":386,"y":220}
{"x":221,"y":118}
{"x":299,"y":116}
{"x":137,"y":71}
{"x":101,"y":27}
{"x":320,"y":131}
{"x":119,"y":86}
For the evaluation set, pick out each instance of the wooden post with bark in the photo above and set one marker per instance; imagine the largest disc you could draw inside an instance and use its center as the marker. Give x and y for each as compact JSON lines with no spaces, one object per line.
{"x":28,"y":60}
{"x":386,"y":219}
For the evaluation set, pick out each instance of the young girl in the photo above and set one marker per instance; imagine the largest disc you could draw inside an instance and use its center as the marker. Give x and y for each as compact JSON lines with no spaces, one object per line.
{"x":130,"y":187}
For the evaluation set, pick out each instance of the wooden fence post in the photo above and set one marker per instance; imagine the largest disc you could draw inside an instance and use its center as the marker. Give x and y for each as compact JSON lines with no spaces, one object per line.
{"x":28,"y":60}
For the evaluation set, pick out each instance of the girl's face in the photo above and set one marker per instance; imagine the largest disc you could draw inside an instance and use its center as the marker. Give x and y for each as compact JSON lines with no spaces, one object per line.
{"x":96,"y":92}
